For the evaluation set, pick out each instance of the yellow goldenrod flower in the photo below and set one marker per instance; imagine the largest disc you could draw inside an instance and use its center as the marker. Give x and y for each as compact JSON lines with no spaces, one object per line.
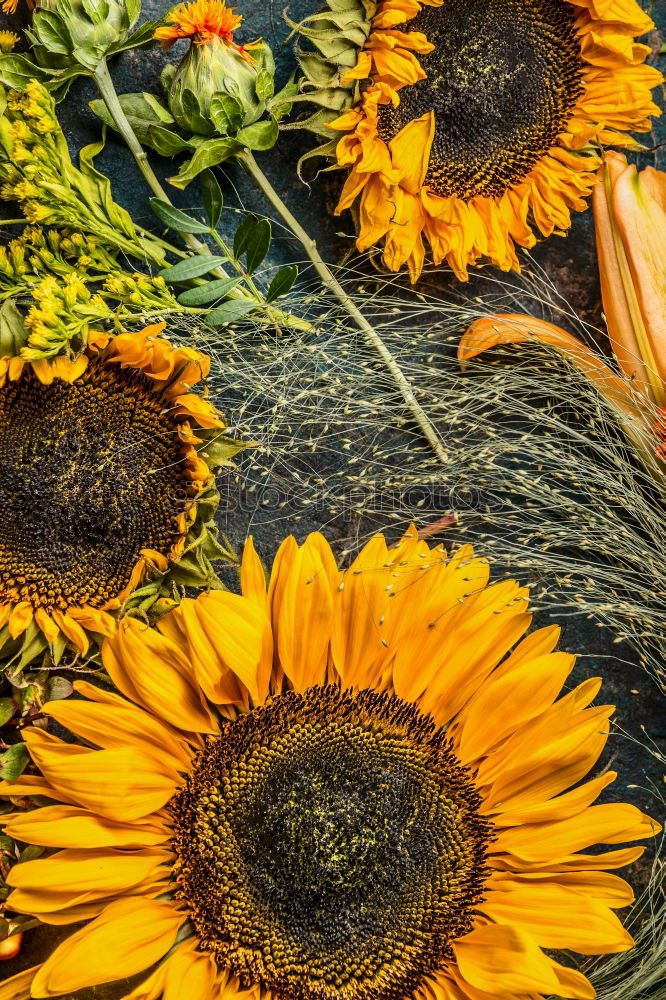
{"x":481,"y":122}
{"x":108,"y":462}
{"x":360,"y":785}
{"x":630,"y":222}
{"x":8,"y":40}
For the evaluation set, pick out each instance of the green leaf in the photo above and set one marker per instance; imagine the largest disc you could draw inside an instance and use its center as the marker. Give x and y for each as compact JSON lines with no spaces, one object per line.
{"x":282,"y":282}
{"x":212,"y":197}
{"x":7,"y":709}
{"x":175,"y":219}
{"x":16,"y":71}
{"x":13,"y":762}
{"x":226,"y":113}
{"x":244,"y":234}
{"x":261,"y":135}
{"x":258,"y":245}
{"x":265,"y":85}
{"x":193,"y":267}
{"x":209,"y":154}
{"x":202,"y":295}
{"x":230,"y":311}
{"x":164,"y":141}
{"x":133,"y":8}
{"x":52,"y":32}
{"x":142,"y":38}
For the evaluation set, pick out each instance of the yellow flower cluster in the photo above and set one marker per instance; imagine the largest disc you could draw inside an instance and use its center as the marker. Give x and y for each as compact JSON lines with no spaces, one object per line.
{"x":37,"y":172}
{"x":37,"y":253}
{"x":62,"y":311}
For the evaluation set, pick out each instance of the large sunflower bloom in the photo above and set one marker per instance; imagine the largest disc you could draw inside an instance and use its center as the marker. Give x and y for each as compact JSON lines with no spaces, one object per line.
{"x":106,"y":471}
{"x":345,"y":786}
{"x":483,"y":120}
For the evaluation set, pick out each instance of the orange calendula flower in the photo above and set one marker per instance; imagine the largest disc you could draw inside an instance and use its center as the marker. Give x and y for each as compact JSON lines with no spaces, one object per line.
{"x":200,"y":21}
{"x":360,"y":785}
{"x":104,"y":461}
{"x":490,"y":116}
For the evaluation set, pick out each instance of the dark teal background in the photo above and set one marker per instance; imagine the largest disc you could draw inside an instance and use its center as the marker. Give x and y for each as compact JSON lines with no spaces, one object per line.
{"x":570,"y":262}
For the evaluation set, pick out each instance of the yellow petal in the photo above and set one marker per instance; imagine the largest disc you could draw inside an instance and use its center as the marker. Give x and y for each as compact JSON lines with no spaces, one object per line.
{"x":509,"y":698}
{"x":306,"y":613}
{"x":630,"y":222}
{"x":189,"y":973}
{"x":225,"y":633}
{"x":558,"y":916}
{"x":120,"y":725}
{"x":519,"y":329}
{"x":360,"y":605}
{"x":70,"y":877}
{"x":253,"y":575}
{"x":68,"y":826}
{"x":612,"y":823}
{"x":129,"y":936}
{"x":560,"y":807}
{"x":503,"y":960}
{"x":601,"y":885}
{"x":122,"y":784}
{"x":18,"y":987}
{"x":150,"y":669}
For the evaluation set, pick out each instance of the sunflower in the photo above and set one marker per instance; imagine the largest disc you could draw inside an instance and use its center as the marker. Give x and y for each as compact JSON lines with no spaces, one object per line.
{"x":345,"y":786}
{"x":106,"y":478}
{"x":481,"y":121}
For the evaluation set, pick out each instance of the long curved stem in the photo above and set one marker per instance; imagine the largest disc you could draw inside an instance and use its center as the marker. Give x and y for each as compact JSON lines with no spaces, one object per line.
{"x":331,"y":282}
{"x":110,"y":97}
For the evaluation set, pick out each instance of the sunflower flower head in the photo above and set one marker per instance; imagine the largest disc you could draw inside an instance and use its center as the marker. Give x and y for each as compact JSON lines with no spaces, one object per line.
{"x":337,"y":786}
{"x":107,"y":462}
{"x":477,"y":124}
{"x":219,"y":85}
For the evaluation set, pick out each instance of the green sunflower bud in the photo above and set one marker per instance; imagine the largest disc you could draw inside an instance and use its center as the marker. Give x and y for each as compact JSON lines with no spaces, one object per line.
{"x":219,"y":88}
{"x":80,"y":31}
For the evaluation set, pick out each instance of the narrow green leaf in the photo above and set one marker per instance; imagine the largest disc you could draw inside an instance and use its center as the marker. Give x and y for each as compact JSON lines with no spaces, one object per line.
{"x":139,"y":39}
{"x":7,"y":709}
{"x":213,"y":199}
{"x":202,"y":295}
{"x":192,"y":267}
{"x":175,"y":219}
{"x":13,"y":762}
{"x":261,"y":135}
{"x":258,"y":245}
{"x":244,"y":234}
{"x":230,"y":311}
{"x":282,"y":282}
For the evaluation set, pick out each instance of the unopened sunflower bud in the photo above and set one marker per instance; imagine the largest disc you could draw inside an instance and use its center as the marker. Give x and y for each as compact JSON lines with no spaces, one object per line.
{"x":220,"y":86}
{"x":80,"y":31}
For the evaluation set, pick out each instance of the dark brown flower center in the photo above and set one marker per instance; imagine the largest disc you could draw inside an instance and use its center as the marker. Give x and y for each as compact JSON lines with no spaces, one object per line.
{"x":329,"y":846}
{"x":503,"y":79}
{"x":91,"y":473}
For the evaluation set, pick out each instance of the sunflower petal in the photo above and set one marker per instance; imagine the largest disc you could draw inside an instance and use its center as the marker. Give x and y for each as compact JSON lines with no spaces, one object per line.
{"x":129,"y":936}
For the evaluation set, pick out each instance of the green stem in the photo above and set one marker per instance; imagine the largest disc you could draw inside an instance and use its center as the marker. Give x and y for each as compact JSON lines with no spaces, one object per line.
{"x":110,"y":97}
{"x":331,"y":282}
